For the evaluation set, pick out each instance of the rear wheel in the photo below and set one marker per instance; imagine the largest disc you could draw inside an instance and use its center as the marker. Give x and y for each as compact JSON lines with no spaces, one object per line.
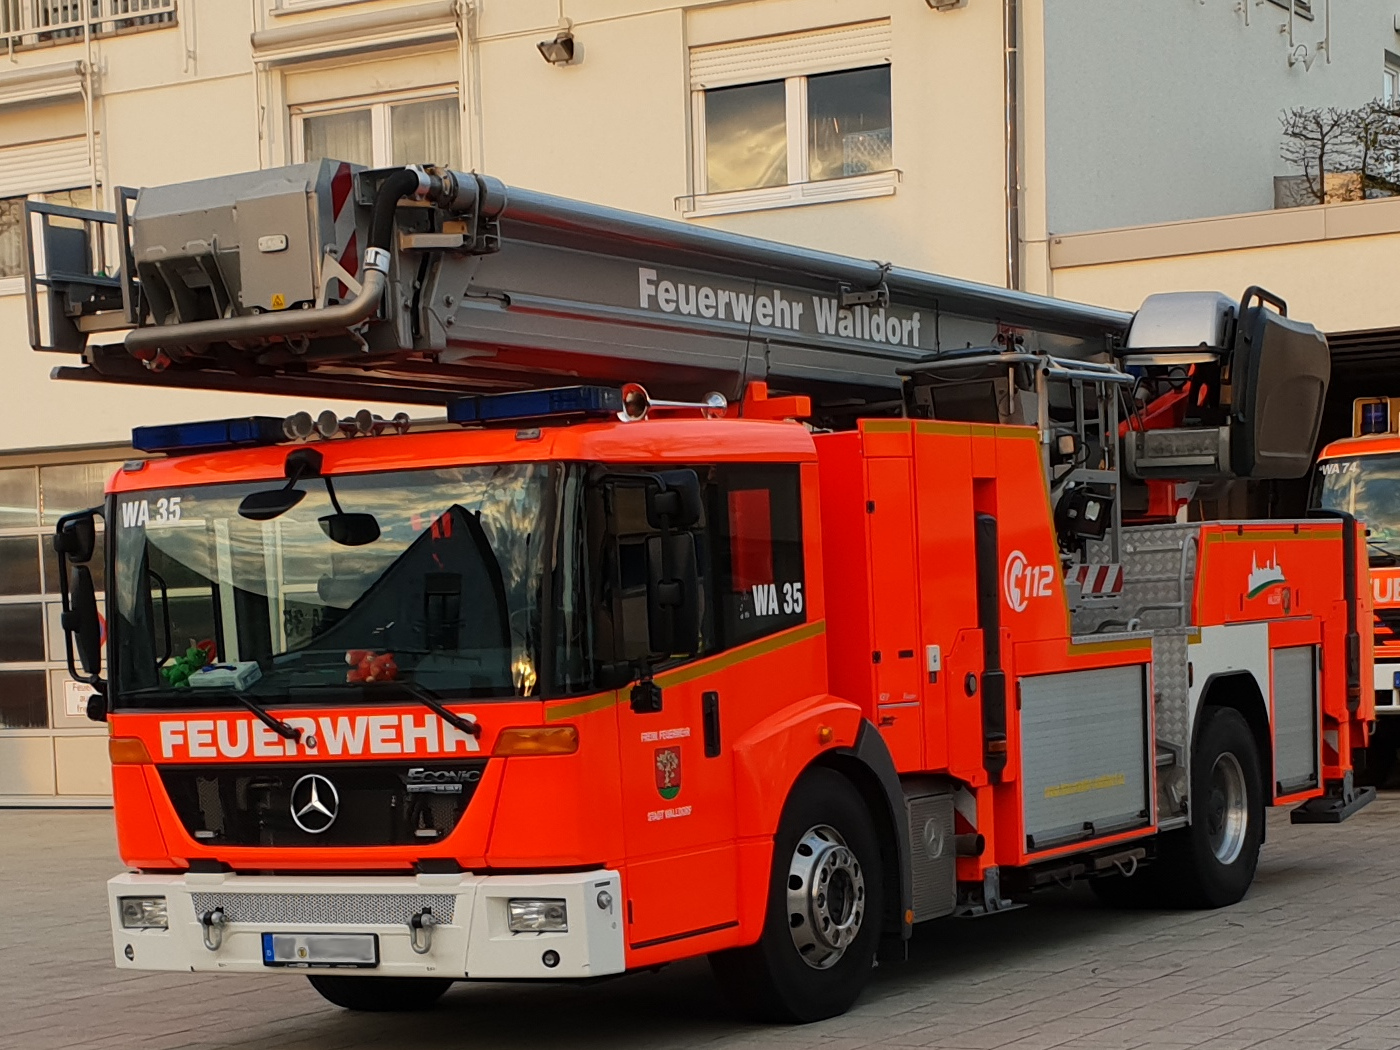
{"x":1211,"y":863}
{"x":824,"y":910}
{"x":380,"y":994}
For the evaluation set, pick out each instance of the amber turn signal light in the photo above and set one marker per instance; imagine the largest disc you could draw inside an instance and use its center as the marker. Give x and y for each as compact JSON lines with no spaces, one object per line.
{"x":537,"y":740}
{"x":128,"y":751}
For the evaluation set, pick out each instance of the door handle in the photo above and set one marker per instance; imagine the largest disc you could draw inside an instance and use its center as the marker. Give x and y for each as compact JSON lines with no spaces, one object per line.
{"x":709,"y":717}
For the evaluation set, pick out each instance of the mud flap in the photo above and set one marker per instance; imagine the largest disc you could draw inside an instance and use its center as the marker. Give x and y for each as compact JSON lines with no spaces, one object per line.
{"x":1343,"y":798}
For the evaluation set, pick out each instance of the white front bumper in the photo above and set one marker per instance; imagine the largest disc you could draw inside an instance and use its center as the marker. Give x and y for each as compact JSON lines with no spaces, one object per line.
{"x":473,"y":939}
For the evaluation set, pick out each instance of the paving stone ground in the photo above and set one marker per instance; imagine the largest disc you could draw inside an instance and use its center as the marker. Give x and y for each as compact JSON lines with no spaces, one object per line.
{"x":1310,"y":960}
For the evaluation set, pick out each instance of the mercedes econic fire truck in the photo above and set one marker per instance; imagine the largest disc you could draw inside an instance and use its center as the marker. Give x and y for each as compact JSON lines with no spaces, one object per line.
{"x":1361,"y":476}
{"x":729,"y":599}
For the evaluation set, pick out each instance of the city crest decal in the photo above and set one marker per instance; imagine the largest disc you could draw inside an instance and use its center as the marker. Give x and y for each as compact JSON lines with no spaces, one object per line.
{"x":1263,"y":577}
{"x":668,"y":772}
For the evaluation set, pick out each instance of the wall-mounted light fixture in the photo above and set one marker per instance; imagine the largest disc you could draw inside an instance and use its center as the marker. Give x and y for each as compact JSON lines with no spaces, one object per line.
{"x":1303,"y":55}
{"x":945,"y":5}
{"x":561,"y":50}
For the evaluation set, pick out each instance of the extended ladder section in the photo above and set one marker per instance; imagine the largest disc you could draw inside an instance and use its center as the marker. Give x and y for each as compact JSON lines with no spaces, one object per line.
{"x":264,"y":281}
{"x":417,"y":285}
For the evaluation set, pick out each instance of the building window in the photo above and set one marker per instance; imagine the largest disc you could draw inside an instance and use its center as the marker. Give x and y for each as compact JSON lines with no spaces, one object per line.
{"x":803,"y":129}
{"x":792,"y":120}
{"x":381,"y":132}
{"x":32,"y":660}
{"x":1302,"y":8}
{"x":1390,"y":90}
{"x":12,"y":224}
{"x":746,"y":138}
{"x":38,"y":23}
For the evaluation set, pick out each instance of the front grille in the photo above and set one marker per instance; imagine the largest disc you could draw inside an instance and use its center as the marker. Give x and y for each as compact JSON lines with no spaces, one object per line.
{"x":326,"y":909}
{"x":374,"y":803}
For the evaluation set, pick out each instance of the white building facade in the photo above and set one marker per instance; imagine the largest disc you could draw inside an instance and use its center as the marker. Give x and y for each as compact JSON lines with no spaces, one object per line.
{"x":987,"y":139}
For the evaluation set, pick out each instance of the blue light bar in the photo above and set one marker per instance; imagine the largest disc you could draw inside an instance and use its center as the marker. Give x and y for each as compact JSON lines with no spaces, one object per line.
{"x":519,"y":405}
{"x":248,"y":432}
{"x":1375,"y":417}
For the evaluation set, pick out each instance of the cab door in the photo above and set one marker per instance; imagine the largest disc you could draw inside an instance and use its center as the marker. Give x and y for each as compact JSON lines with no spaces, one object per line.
{"x":676,"y":741}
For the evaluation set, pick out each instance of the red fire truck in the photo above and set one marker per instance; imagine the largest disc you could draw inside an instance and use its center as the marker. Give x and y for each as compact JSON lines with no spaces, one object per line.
{"x":1361,"y":475}
{"x":735,"y":600}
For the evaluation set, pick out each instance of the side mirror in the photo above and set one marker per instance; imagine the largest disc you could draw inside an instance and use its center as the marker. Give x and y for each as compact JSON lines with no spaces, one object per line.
{"x":673,"y":499}
{"x":75,"y":541}
{"x":76,"y":536}
{"x":673,"y":595}
{"x":82,"y":623}
{"x":350,"y":530}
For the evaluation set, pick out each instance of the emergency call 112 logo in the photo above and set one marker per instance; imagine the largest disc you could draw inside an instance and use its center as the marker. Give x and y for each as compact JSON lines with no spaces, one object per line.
{"x":1021,"y":581}
{"x":668,"y":772}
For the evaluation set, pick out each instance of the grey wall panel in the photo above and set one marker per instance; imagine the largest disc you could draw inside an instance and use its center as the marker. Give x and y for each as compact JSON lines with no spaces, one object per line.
{"x":1084,"y":757}
{"x":1295,"y":718}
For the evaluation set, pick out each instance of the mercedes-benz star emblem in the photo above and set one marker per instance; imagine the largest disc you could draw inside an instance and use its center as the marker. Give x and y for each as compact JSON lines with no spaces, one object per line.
{"x":315,"y":803}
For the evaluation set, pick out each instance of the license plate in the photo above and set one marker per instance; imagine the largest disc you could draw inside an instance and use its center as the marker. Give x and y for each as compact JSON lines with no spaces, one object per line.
{"x":356,"y":950}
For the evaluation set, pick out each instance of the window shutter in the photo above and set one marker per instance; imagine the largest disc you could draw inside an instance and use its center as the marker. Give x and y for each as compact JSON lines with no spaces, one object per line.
{"x":60,"y":164}
{"x":794,"y":54}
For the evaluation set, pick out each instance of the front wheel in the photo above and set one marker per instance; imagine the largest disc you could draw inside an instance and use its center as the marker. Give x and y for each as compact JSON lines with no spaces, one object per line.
{"x":380,"y":994}
{"x":1211,"y":863}
{"x":824,"y":912}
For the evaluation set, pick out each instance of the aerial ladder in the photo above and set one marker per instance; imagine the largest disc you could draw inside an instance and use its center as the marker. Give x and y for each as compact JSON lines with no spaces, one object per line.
{"x":823,"y":597}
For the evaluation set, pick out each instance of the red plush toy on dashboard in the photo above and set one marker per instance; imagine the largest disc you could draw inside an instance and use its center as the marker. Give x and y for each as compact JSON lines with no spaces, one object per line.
{"x":368,"y":666}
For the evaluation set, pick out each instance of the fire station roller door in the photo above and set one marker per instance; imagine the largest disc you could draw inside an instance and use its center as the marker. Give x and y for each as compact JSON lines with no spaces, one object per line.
{"x":1084,"y":755}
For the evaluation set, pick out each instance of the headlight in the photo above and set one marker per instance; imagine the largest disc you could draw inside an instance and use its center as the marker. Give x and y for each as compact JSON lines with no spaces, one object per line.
{"x":545,"y":916}
{"x":143,"y":913}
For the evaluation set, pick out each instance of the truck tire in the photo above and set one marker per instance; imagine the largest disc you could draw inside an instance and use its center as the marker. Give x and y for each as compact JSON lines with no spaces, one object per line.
{"x":825,"y":907}
{"x":380,"y":994}
{"x":1211,"y":862}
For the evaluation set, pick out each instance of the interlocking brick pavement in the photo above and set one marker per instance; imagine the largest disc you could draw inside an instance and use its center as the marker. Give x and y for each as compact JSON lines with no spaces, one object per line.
{"x":1309,"y":961}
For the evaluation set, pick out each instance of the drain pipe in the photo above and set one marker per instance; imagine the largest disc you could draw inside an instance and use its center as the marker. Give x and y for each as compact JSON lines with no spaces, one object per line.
{"x":1010,"y":37}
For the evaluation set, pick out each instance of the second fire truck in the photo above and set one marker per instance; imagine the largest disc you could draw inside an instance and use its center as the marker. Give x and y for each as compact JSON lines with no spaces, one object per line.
{"x":737,"y":600}
{"x":1360,"y":475}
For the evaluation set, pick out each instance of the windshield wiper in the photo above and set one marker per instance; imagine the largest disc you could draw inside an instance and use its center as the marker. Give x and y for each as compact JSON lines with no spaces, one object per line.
{"x":272,"y":722}
{"x":430,"y":700}
{"x":268,"y":719}
{"x":1383,"y":549}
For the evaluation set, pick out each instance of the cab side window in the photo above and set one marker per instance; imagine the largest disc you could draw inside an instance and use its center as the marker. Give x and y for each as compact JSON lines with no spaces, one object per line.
{"x":757,"y":539}
{"x":625,"y":629}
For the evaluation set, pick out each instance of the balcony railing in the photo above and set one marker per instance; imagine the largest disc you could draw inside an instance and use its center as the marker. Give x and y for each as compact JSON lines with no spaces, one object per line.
{"x":32,"y":23}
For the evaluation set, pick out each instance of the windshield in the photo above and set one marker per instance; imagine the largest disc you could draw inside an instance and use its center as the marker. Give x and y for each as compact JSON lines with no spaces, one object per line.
{"x":1367,"y":487}
{"x":449,"y":596}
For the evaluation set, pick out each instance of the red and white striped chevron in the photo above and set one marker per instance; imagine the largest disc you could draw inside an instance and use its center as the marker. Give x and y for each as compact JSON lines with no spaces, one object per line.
{"x":343,"y":216}
{"x":1100,"y":581}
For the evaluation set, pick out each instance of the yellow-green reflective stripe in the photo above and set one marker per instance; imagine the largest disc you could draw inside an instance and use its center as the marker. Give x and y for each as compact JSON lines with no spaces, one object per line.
{"x":690,"y":672}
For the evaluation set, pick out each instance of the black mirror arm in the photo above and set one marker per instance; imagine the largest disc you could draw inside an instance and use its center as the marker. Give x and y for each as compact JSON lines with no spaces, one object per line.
{"x":164,"y":616}
{"x":645,"y":697}
{"x":330,"y":491}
